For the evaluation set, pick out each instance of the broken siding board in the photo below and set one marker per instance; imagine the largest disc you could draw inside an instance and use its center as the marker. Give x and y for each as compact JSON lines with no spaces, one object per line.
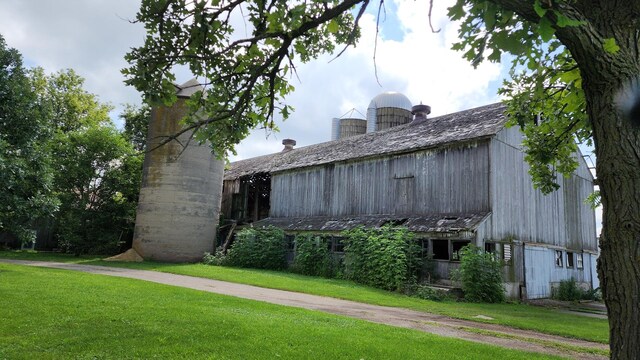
{"x":448,"y":181}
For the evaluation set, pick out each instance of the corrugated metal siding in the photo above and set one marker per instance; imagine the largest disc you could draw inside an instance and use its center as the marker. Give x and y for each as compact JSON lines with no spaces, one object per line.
{"x":452,"y":180}
{"x":518,"y":210}
{"x":542,"y":273}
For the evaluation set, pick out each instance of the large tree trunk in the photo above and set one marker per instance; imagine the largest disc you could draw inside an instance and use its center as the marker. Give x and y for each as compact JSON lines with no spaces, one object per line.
{"x":618,"y":171}
{"x":605,"y":76}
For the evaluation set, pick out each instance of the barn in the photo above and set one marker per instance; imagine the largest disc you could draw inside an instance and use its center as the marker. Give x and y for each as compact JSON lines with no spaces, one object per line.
{"x":452,"y":180}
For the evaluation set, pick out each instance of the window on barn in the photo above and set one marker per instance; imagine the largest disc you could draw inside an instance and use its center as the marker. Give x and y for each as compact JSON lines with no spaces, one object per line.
{"x":559,"y":258}
{"x":440,"y":249}
{"x":337,"y":244}
{"x":424,"y":247}
{"x":569,"y":259}
{"x":506,"y":253}
{"x":579,"y":264}
{"x":490,"y":247}
{"x":456,"y":246}
{"x":291,"y":242}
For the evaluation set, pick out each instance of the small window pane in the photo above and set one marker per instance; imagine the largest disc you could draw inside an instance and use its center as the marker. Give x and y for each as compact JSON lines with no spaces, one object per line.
{"x":559,"y":258}
{"x":579,"y":264}
{"x":569,"y":259}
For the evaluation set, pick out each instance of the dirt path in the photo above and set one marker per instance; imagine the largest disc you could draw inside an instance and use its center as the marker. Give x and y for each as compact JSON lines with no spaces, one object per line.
{"x":436,"y":324}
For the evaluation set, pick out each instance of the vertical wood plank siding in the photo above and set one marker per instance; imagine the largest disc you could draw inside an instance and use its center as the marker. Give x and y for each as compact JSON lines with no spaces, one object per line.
{"x":451,"y":180}
{"x":559,"y":219}
{"x":229,"y":188}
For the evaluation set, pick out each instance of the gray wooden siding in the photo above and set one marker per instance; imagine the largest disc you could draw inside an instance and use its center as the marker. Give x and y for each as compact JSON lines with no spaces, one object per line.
{"x":519,"y":211}
{"x":450,"y":180}
{"x":230,"y":187}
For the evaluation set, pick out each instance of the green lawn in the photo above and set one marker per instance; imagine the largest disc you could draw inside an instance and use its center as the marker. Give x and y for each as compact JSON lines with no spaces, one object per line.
{"x":516,"y":315}
{"x":58,"y":314}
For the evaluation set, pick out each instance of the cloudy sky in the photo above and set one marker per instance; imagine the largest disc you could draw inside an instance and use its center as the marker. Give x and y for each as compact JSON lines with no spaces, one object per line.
{"x":92,"y":36}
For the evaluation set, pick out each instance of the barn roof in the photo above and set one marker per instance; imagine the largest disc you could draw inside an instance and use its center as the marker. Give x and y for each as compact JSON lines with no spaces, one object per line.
{"x":439,"y":131}
{"x":429,"y":223}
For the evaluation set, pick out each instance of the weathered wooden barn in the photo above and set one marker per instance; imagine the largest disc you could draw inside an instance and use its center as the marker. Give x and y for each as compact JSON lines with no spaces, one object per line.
{"x":453,"y":180}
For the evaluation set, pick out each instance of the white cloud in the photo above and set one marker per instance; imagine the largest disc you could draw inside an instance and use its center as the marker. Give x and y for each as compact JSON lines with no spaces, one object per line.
{"x":420,"y":65}
{"x":92,"y":37}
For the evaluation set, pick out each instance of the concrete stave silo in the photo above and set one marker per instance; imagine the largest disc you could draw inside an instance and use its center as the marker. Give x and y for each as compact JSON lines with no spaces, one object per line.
{"x":179,"y":202}
{"x":352,"y":127}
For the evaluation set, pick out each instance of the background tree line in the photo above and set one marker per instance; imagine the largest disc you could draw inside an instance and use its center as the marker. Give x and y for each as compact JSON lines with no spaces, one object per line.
{"x":65,"y":169}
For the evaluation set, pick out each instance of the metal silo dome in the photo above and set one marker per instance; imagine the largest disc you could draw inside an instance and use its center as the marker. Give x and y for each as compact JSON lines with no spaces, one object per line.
{"x":387,"y":110}
{"x":391,"y":99}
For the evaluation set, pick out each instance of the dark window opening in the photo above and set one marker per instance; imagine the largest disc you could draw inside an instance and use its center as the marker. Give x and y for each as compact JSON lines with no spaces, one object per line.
{"x":395,"y":222}
{"x":440,"y":249}
{"x":490,"y":248}
{"x":456,"y":246}
{"x":252,"y":203}
{"x":291,"y":242}
{"x":569,"y":259}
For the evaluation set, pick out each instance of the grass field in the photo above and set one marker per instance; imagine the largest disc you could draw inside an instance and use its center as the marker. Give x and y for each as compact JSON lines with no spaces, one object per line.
{"x":57,"y":314}
{"x":516,"y":315}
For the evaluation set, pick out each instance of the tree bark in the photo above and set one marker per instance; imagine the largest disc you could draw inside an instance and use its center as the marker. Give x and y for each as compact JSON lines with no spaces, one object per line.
{"x":617,"y":143}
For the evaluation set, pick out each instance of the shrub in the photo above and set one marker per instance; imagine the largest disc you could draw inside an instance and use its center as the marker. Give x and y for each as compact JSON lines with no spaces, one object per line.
{"x":568,"y":290}
{"x":480,"y":274}
{"x":259,"y":248}
{"x":313,"y":256}
{"x":385,"y":258}
{"x":218,"y":259}
{"x":427,"y":292}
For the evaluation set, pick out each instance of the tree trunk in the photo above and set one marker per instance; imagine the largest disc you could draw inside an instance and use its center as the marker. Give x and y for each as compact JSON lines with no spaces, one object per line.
{"x":618,"y":171}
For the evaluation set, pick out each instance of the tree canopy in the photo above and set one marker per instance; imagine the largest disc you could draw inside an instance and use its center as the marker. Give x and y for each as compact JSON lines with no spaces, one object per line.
{"x":63,"y":164}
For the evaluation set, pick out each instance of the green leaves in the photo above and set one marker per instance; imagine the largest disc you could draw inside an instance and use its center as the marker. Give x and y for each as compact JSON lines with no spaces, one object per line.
{"x":545,"y":96}
{"x":387,"y":258}
{"x":246,"y":71}
{"x":610,"y":46}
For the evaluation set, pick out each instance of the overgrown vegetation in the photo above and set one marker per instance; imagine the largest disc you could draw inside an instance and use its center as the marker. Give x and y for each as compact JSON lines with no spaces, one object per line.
{"x":480,"y":274}
{"x":313,"y":257}
{"x":386,"y":257}
{"x":259,"y":249}
{"x":569,"y":290}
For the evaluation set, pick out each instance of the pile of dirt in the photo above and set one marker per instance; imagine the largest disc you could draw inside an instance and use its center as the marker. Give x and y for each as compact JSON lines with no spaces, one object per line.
{"x":129,"y":255}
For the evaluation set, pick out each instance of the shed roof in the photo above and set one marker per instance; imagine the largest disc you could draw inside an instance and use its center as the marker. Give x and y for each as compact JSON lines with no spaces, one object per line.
{"x":439,"y":131}
{"x":430,"y":223}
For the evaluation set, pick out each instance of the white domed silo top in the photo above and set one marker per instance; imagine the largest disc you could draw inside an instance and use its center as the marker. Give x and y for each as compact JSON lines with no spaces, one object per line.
{"x":389,"y":99}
